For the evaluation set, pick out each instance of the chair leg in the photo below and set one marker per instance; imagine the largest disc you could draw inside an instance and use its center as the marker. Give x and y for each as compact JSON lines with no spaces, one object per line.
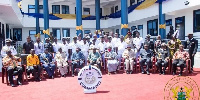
{"x":6,"y":73}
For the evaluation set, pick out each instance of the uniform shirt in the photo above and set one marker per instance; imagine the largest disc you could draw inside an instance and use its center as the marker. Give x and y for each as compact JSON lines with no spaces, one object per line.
{"x":108,"y":44}
{"x":80,"y":42}
{"x":27,"y":47}
{"x":181,"y":55}
{"x":97,"y":41}
{"x":146,"y":54}
{"x":131,"y":54}
{"x":94,"y":56}
{"x":162,"y":54}
{"x":49,"y":46}
{"x":85,"y":48}
{"x":138,"y":42}
{"x":150,"y":44}
{"x":121,"y":47}
{"x":129,"y":41}
{"x":96,"y":46}
{"x":60,"y":58}
{"x":102,"y":46}
{"x":6,"y":48}
{"x":32,"y":60}
{"x":46,"y":58}
{"x":39,"y":48}
{"x":56,"y":46}
{"x":115,"y":41}
{"x":8,"y":62}
{"x":192,"y":45}
{"x":73,"y":46}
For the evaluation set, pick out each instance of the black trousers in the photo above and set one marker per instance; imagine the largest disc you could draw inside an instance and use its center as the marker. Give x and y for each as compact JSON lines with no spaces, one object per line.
{"x":192,"y":60}
{"x":160,"y":64}
{"x":178,"y":62}
{"x":95,"y":62}
{"x":146,"y":62}
{"x":76,"y":65}
{"x":36,"y":70}
{"x":15,"y":71}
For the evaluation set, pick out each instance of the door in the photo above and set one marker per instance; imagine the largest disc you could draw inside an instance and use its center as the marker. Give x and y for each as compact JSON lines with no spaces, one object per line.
{"x":180,"y":21}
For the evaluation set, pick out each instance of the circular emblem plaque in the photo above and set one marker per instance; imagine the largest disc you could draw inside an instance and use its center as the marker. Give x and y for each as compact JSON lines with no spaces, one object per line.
{"x":89,"y":78}
{"x":181,"y":88}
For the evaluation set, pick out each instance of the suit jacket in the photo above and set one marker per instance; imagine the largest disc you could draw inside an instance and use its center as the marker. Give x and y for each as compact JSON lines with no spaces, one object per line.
{"x":150,"y":43}
{"x":46,"y":58}
{"x":192,"y":45}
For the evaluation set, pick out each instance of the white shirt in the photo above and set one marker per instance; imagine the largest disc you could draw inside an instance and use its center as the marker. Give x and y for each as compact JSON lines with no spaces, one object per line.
{"x":121,"y":47}
{"x":39,"y":49}
{"x":73,"y":46}
{"x":176,"y":33}
{"x":56,"y":46}
{"x":109,"y":44}
{"x":138,"y":42}
{"x":98,"y":41}
{"x":80,"y":42}
{"x":115,"y":41}
{"x":85,"y":48}
{"x":96,"y":46}
{"x":5,"y":48}
{"x":102,"y":46}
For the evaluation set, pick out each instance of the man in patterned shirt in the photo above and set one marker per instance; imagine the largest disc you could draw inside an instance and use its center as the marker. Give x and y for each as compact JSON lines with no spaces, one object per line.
{"x":94,"y":57}
{"x":179,"y":59}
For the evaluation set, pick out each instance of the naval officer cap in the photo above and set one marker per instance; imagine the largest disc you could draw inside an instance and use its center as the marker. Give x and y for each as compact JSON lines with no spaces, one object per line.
{"x":128,"y":46}
{"x":148,"y":35}
{"x":8,"y":40}
{"x":75,"y":37}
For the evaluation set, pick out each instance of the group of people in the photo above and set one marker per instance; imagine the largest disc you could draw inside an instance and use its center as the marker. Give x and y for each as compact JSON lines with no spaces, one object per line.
{"x":107,"y":51}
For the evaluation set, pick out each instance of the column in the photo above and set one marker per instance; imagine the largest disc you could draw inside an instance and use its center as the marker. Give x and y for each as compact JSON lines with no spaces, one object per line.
{"x":98,"y":17}
{"x":37,"y":18}
{"x":46,"y":18}
{"x":79,"y":27}
{"x":162,"y":25}
{"x":124,"y":17}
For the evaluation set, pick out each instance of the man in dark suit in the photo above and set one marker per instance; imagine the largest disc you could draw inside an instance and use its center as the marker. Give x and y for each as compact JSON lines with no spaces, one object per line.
{"x":192,"y":45}
{"x":149,"y":42}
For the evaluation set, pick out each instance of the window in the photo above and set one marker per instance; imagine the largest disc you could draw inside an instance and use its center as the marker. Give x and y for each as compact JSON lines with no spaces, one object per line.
{"x":140,"y":27}
{"x":87,"y":31}
{"x":132,"y":2}
{"x":66,"y":32}
{"x":7,"y":31}
{"x":31,"y":8}
{"x":17,"y":34}
{"x":180,"y":21}
{"x":117,"y":31}
{"x":152,"y":27}
{"x":56,"y":9}
{"x":138,"y":1}
{"x":75,"y":10}
{"x":116,"y":8}
{"x":133,"y":28}
{"x":196,"y":20}
{"x":112,"y":10}
{"x":86,"y":11}
{"x":57,"y":33}
{"x":65,"y":9}
{"x":32,"y":34}
{"x":169,"y":22}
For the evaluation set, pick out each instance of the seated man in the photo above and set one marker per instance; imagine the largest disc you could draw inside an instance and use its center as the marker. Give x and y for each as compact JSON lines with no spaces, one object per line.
{"x":162,"y":58}
{"x":179,"y":59}
{"x":47,"y":63}
{"x":129,"y":55}
{"x":145,"y":58}
{"x":61,"y":59}
{"x":94,"y":58}
{"x":11,"y":62}
{"x":33,"y":65}
{"x":77,"y":60}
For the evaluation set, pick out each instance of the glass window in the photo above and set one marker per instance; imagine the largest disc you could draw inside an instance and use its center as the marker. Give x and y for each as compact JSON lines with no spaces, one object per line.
{"x":133,"y":28}
{"x":196,"y":20}
{"x":66,"y":32}
{"x":132,"y":2}
{"x":31,"y":8}
{"x":116,"y":8}
{"x":86,"y":11}
{"x":140,"y":27}
{"x":101,"y":12}
{"x":56,"y":9}
{"x":32,"y":34}
{"x":65,"y":9}
{"x":169,"y":22}
{"x":7,"y":31}
{"x":87,"y":31}
{"x":17,"y":34}
{"x":112,"y":10}
{"x":117,"y":31}
{"x":152,"y":27}
{"x":57,"y":33}
{"x":139,"y":1}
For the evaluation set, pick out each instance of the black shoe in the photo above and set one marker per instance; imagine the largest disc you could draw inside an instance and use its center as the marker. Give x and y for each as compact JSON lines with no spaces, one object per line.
{"x":142,"y":72}
{"x":131,"y":72}
{"x":174,"y":73}
{"x":73,"y":75}
{"x":126,"y":72}
{"x":148,"y":73}
{"x":180,"y":74}
{"x":163,"y":73}
{"x":52,"y":77}
{"x":13,"y":85}
{"x":19,"y":83}
{"x":28,"y":76}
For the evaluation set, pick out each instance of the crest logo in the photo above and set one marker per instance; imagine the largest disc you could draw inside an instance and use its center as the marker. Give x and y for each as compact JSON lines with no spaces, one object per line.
{"x":181,"y":88}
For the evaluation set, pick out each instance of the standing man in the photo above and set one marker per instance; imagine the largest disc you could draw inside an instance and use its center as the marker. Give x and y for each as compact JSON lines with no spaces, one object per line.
{"x":48,"y":46}
{"x":7,"y":47}
{"x":56,"y":45}
{"x":80,"y":41}
{"x":145,"y":58}
{"x":11,"y":62}
{"x":115,"y":40}
{"x":179,"y":59}
{"x":74,"y":45}
{"x":138,"y":42}
{"x":121,"y":48}
{"x":27,"y":46}
{"x":129,"y":56}
{"x":192,"y":45}
{"x":77,"y":60}
{"x":33,"y":65}
{"x":149,"y":42}
{"x":84,"y":49}
{"x":38,"y":46}
{"x":129,"y":40}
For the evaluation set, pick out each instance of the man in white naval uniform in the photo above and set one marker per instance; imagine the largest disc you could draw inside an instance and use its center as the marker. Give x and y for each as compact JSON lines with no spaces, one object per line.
{"x":115,"y":40}
{"x":102,"y":47}
{"x":84,"y":49}
{"x":122,"y":45}
{"x":56,"y":45}
{"x":138,"y":43}
{"x":7,"y":47}
{"x":74,"y":45}
{"x":38,"y":46}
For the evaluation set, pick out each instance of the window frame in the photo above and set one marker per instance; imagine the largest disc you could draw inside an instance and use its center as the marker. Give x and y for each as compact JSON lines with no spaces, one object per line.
{"x":194,"y":20}
{"x":17,"y":34}
{"x":56,"y":33}
{"x":170,"y":22}
{"x":152,"y":26}
{"x":65,"y":7}
{"x":40,"y":8}
{"x":138,"y":27}
{"x":132,"y":28}
{"x":84,"y":10}
{"x":55,"y":9}
{"x":131,"y":2}
{"x":63,"y":31}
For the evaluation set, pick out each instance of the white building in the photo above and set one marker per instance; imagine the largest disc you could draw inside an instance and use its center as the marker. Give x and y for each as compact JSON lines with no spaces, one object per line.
{"x":146,"y":20}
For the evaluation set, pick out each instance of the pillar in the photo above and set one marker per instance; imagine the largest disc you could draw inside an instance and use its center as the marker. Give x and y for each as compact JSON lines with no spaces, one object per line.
{"x":79,"y":27}
{"x":37,"y":18}
{"x":124,"y":17}
{"x":98,"y":17}
{"x":162,"y":25}
{"x":46,"y":17}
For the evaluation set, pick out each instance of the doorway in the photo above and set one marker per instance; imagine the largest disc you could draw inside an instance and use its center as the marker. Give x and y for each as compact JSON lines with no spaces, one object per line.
{"x":180,"y":21}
